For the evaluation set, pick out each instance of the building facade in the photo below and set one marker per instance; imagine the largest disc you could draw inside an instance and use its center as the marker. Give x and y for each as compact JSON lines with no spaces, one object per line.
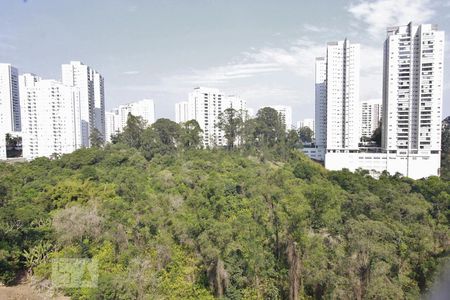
{"x":51,"y":113}
{"x":412,"y":88}
{"x":99,"y":103}
{"x":342,"y":96}
{"x":370,"y":117}
{"x":337,"y":121}
{"x":205,"y":106}
{"x":181,"y":112}
{"x":320,"y":126}
{"x":412,"y":94}
{"x":92,"y":97}
{"x":10,"y":119}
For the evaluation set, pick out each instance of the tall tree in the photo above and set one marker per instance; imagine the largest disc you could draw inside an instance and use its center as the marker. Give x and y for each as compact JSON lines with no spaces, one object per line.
{"x":230,"y":121}
{"x":248,"y":133}
{"x":132,"y":133}
{"x":191,"y":135}
{"x":270,"y":128}
{"x":168,"y":131}
{"x":305,"y":134}
{"x":292,"y":139}
{"x":163,"y":137}
{"x":96,"y":138}
{"x":376,"y":136}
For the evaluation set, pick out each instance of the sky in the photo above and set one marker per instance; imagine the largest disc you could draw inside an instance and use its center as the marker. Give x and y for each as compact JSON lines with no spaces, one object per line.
{"x":262,"y":50}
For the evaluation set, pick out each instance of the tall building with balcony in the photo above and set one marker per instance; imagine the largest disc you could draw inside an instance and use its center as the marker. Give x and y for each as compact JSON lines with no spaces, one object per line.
{"x":51,"y":114}
{"x":337,"y":121}
{"x":92,"y":97}
{"x":343,"y":68}
{"x":412,"y":88}
{"x":412,"y":95}
{"x":205,"y":106}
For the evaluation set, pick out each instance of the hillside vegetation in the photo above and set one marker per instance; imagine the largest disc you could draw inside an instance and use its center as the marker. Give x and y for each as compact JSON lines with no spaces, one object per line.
{"x":187,"y":223}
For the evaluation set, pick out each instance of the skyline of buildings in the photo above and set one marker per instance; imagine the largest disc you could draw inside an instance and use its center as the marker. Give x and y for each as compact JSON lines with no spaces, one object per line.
{"x":50,"y":116}
{"x":411,"y":108}
{"x":410,"y":111}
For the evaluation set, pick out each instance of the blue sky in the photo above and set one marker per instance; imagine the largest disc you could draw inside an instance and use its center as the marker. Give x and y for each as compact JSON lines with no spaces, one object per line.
{"x":261,"y":50}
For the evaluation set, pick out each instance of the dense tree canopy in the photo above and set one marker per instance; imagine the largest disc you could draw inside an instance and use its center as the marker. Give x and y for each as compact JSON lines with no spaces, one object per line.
{"x":167,"y":220}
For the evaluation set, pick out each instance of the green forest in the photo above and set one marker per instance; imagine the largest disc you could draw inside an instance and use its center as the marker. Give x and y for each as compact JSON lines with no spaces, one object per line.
{"x":256,"y":219}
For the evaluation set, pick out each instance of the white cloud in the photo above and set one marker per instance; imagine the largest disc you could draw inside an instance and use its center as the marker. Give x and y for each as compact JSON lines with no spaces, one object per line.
{"x":294,"y":63}
{"x":313,"y":28}
{"x":298,"y":58}
{"x":214,"y":76}
{"x":132,"y":8}
{"x":133,"y":72}
{"x":380,"y":14}
{"x":223,"y":74}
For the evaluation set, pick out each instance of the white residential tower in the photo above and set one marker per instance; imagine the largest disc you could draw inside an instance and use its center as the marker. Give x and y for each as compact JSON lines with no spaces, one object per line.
{"x":92,"y":97}
{"x":370,"y":117}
